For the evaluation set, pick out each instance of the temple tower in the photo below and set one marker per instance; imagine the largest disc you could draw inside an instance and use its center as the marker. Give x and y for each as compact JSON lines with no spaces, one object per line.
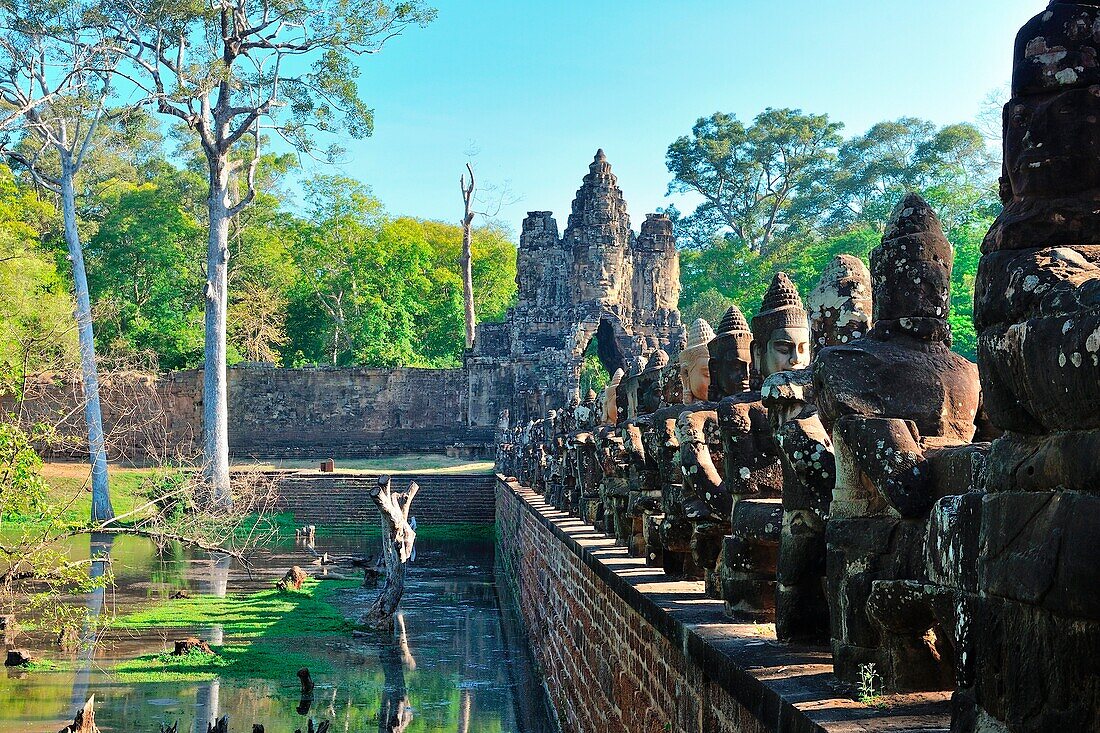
{"x":598,"y":280}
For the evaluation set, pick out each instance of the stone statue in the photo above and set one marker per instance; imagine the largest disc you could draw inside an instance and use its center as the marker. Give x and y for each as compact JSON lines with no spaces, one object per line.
{"x":609,"y":445}
{"x":730,"y":356}
{"x":642,"y":397}
{"x":585,"y":486}
{"x":706,"y":498}
{"x":839,"y":310}
{"x":694,"y":369}
{"x":1030,"y":577}
{"x":902,"y":409}
{"x":745,"y":577}
{"x":695,"y":362}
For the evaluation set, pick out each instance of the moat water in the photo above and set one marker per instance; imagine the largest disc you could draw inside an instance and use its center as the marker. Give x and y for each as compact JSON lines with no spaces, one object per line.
{"x":453,"y":664}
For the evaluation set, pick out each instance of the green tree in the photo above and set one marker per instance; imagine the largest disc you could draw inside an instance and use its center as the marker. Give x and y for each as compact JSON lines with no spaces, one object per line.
{"x":36,"y":325}
{"x":57,"y":67}
{"x":951,"y":167}
{"x":226,"y":69}
{"x":145,"y":277}
{"x":761,"y":183}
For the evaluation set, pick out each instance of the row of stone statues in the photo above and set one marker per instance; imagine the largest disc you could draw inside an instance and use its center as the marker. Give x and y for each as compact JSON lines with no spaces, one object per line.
{"x":769,"y":446}
{"x":835,"y":468}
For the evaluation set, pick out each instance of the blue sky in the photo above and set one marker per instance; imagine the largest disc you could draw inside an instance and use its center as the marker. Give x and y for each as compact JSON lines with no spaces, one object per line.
{"x":536,"y":87}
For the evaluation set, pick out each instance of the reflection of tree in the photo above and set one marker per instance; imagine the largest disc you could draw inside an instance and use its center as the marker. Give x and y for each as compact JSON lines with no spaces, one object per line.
{"x":100,"y":554}
{"x":207,"y":704}
{"x":395,"y":714}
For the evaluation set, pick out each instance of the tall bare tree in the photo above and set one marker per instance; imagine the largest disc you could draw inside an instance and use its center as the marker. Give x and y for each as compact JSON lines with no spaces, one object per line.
{"x":467,"y":254}
{"x":500,"y":196}
{"x":230,"y":70}
{"x":56,"y":72}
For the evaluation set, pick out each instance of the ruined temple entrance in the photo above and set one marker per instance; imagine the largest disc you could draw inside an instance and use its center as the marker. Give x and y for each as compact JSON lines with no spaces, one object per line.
{"x":592,"y":300}
{"x":600,"y":359}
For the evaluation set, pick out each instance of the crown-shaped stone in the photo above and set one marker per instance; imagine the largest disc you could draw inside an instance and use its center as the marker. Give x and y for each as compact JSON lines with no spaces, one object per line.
{"x":734,"y":320}
{"x":700,"y":333}
{"x":781,"y":295}
{"x":657,"y":359}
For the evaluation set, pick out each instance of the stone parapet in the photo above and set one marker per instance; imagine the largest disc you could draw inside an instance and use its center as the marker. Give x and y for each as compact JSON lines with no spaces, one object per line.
{"x":623,"y":649}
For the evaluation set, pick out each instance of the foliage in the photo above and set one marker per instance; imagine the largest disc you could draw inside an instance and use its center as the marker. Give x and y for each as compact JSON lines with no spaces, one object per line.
{"x":144,"y":275}
{"x":825,"y":197}
{"x":385,"y":292}
{"x":36,"y":324}
{"x":760,"y":181}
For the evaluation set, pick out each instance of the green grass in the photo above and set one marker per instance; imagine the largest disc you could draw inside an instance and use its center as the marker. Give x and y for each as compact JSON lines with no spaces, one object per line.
{"x":70,"y":488}
{"x":266,"y":612}
{"x":268,"y":632}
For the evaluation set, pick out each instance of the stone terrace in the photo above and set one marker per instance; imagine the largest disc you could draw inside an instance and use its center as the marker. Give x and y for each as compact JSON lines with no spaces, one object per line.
{"x":328,"y":499}
{"x":686,"y":667}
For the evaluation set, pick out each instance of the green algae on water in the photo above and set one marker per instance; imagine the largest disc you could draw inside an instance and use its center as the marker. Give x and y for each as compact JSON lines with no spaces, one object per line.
{"x":269,"y":634}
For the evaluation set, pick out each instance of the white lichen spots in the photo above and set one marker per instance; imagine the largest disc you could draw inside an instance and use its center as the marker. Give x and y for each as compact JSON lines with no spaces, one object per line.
{"x":1066,"y":76}
{"x":1067,"y":326}
{"x":1061,"y":359}
{"x":1030,"y":282}
{"x":745,"y":472}
{"x":1036,"y":164}
{"x":1075,"y":358}
{"x":1092,"y":343}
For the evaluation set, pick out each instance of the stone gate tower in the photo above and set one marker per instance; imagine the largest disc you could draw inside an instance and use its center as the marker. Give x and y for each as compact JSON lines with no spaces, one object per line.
{"x":597,"y":281}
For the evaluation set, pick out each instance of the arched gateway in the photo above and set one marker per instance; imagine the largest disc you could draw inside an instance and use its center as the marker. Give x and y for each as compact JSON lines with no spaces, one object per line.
{"x":599,"y":281}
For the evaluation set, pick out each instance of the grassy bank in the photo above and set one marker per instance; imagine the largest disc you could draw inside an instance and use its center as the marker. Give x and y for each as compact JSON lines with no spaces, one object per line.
{"x":269,"y":634}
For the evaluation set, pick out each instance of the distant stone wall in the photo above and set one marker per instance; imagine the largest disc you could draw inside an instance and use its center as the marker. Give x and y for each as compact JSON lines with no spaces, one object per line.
{"x":343,"y":499}
{"x":273,"y":413}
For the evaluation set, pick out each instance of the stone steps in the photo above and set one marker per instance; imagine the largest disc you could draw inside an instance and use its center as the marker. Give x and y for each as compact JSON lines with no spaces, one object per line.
{"x":328,"y":499}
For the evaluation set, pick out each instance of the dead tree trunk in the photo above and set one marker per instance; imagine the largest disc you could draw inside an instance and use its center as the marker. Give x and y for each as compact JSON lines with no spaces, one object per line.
{"x":397,"y":545}
{"x":84,"y":722}
{"x":467,"y":255}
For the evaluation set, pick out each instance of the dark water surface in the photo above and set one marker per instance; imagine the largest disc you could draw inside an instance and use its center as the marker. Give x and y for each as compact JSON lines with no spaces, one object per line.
{"x":453,"y":667}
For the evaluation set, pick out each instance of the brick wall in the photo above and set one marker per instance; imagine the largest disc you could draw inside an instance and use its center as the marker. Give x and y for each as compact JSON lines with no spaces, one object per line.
{"x":334,"y":499}
{"x":606,"y":667}
{"x":623,"y":649}
{"x":273,"y":413}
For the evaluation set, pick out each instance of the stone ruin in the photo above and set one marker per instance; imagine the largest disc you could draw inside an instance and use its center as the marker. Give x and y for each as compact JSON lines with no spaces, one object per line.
{"x":597,"y":281}
{"x":922,"y":514}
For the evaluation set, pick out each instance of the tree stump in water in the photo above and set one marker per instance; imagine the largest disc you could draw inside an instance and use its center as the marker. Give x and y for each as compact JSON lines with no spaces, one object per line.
{"x":397,"y":546}
{"x":84,"y":722}
{"x":292,"y":580}
{"x":305,"y":702}
{"x":18,"y":658}
{"x":191,"y":644}
{"x":221,"y":725}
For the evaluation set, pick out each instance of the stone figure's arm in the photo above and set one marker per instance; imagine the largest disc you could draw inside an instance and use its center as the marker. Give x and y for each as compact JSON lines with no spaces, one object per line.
{"x":695,"y":456}
{"x":888,"y":452}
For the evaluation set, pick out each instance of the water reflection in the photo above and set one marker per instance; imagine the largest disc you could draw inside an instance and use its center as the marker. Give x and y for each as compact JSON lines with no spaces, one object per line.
{"x":447,"y":666}
{"x":395,"y":712}
{"x":99,"y":552}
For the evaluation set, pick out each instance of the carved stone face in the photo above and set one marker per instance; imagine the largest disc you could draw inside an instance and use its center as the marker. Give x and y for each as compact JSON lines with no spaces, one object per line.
{"x":788,"y":349}
{"x":603,"y":277}
{"x":730,"y":359}
{"x":697,"y":373}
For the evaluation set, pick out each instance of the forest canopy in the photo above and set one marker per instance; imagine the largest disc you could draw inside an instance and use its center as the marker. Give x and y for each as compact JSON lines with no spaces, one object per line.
{"x":321,"y":273}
